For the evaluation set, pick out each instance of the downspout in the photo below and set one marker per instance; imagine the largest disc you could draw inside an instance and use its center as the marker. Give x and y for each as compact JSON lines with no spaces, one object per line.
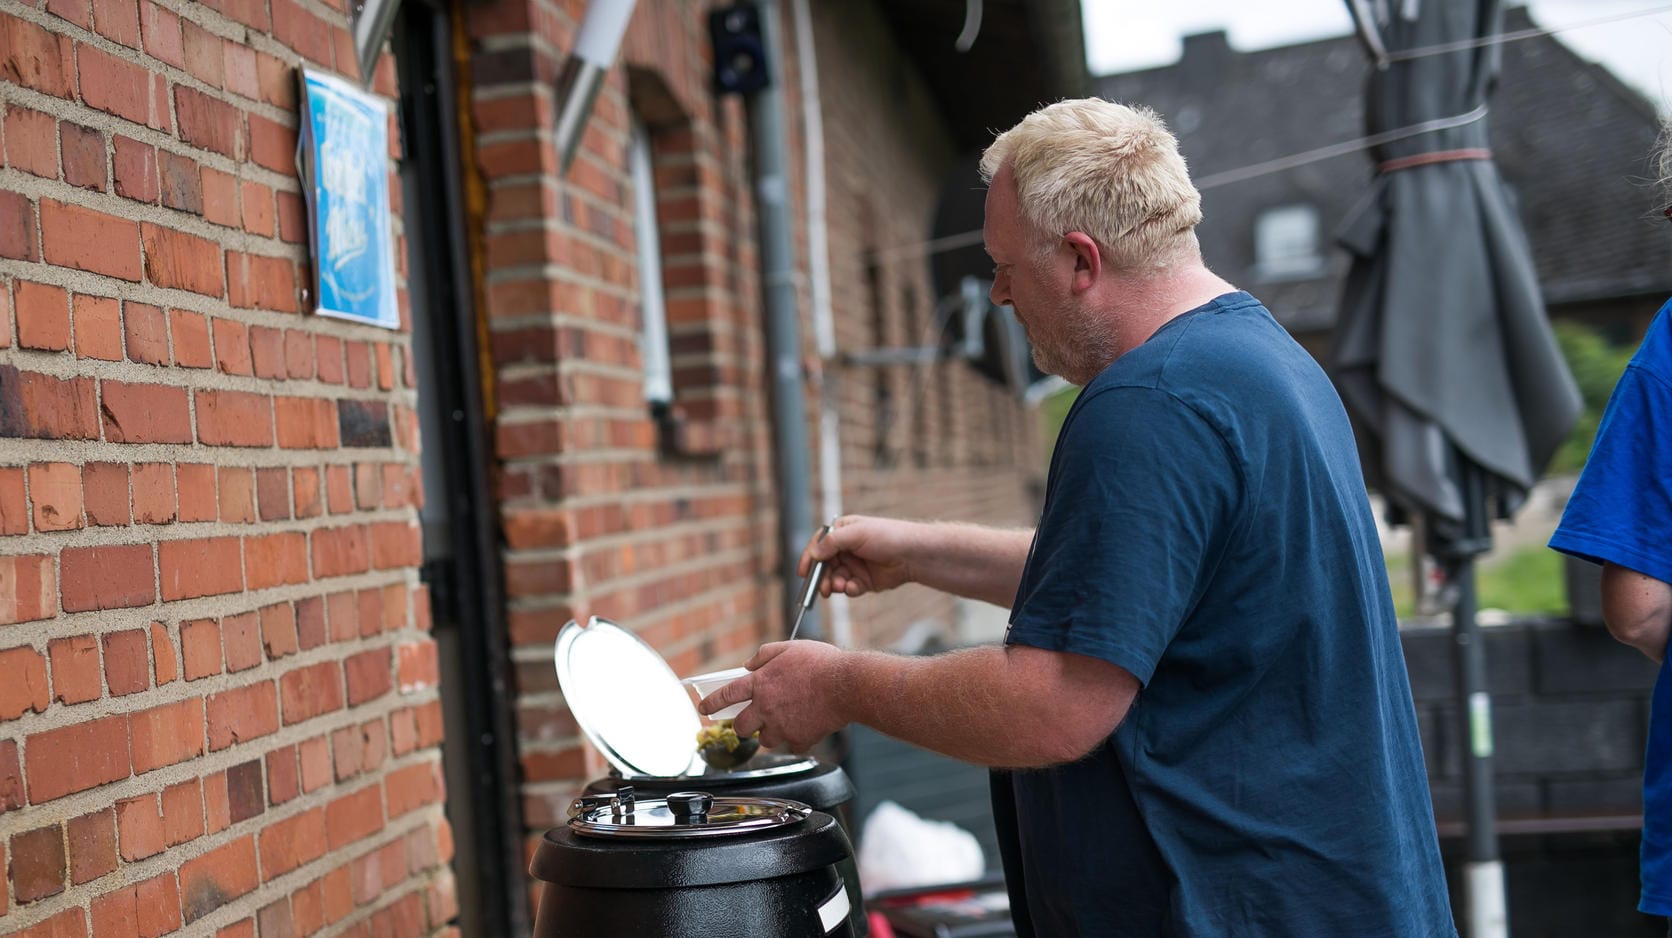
{"x":824,"y":321}
{"x":783,"y":328}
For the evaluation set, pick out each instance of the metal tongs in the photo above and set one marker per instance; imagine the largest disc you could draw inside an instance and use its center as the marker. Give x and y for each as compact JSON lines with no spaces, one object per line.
{"x":809,"y":587}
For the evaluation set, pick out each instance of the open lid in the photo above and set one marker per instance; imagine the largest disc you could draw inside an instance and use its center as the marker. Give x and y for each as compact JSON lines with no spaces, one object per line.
{"x":627,"y":700}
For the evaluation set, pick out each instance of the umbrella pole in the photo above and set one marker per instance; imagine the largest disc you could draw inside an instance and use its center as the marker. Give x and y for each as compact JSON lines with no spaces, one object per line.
{"x":1488,"y":915}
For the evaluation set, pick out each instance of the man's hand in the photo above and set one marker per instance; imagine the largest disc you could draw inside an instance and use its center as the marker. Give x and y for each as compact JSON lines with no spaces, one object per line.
{"x":862,"y":555}
{"x":795,"y":692}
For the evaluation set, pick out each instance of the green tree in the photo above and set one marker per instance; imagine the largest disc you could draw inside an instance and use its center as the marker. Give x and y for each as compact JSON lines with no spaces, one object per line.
{"x":1596,"y":365}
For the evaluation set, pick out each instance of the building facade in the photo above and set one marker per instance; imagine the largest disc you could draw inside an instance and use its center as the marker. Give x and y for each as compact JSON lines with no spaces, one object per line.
{"x":278,"y":591}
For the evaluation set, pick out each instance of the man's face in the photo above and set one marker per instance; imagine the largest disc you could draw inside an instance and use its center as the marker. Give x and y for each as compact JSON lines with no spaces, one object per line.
{"x":1028,"y":282}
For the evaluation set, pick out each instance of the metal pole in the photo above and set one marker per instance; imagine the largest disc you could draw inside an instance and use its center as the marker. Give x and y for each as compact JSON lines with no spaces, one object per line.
{"x":1488,"y":914}
{"x":783,"y":327}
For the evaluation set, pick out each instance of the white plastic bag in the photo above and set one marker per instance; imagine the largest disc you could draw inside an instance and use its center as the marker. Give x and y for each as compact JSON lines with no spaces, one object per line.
{"x":900,"y":850}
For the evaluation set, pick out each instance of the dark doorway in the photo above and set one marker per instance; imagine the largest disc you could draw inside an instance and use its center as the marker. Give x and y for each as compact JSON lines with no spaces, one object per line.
{"x":461,"y":558}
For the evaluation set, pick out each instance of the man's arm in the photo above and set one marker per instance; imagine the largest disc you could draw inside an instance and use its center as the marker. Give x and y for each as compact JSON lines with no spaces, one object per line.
{"x":869,"y":555}
{"x":1007,"y":706}
{"x":1637,"y":609}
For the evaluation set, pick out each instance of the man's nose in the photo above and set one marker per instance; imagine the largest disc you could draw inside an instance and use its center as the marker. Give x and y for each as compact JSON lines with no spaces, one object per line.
{"x":1000,"y":291}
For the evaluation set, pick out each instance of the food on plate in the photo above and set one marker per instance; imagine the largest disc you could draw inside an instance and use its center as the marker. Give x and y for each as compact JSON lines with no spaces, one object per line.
{"x":720,"y":746}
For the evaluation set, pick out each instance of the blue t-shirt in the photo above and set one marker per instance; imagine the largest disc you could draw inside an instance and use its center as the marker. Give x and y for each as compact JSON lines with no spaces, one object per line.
{"x":1206,"y":528}
{"x":1621,"y":512}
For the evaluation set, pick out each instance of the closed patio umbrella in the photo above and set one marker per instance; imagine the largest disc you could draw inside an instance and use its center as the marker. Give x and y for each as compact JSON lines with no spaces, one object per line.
{"x":1444,"y":355}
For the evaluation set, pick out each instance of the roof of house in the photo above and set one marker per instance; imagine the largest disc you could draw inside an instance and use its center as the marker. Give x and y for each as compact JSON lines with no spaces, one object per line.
{"x":1573,"y":143}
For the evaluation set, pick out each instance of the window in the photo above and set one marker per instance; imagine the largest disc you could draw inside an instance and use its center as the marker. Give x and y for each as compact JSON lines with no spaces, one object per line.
{"x":653,"y":336}
{"x":1286,"y":243}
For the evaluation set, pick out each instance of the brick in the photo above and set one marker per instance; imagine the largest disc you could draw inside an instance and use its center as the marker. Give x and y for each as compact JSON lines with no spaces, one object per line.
{"x":98,"y":327}
{"x":308,"y":908}
{"x":241,"y":715}
{"x":6,"y":337}
{"x":267,"y":352}
{"x":370,"y":602}
{"x":337,"y":890}
{"x":232,"y":347}
{"x":293,"y":225}
{"x":255,"y":281}
{"x":240,"y":929}
{"x":305,"y":422}
{"x":298,"y":354}
{"x":180,"y":182}
{"x":292,"y":842}
{"x":167,"y":735}
{"x":238,"y":70}
{"x":375,"y":745}
{"x":183,"y":812}
{"x":31,"y":145}
{"x":310,"y":622}
{"x":218,"y":877}
{"x":191,"y":339}
{"x":304,"y":484}
{"x":43,"y":407}
{"x":135,"y":167}
{"x":283,"y":781}
{"x":315,"y":757}
{"x":55,"y":492}
{"x":11,"y":783}
{"x":220,"y":198}
{"x":241,"y":641}
{"x":256,"y":208}
{"x":146,"y":333}
{"x":359,"y":364}
{"x":166,"y":666}
{"x":217,"y":803}
{"x":38,"y":866}
{"x":182,"y":261}
{"x":203,"y":567}
{"x":127,"y":662}
{"x":244,"y":790}
{"x":394,"y":607}
{"x":210,"y":123}
{"x":28,"y":589}
{"x":364,"y":423}
{"x":236,"y":493}
{"x":118,"y":21}
{"x":153,"y":493}
{"x":396,"y":544}
{"x":300,"y":29}
{"x":369,"y":675}
{"x":145,"y":413}
{"x":83,"y":150}
{"x":76,"y":675}
{"x":274,"y":917}
{"x":70,"y":923}
{"x":43,"y":316}
{"x":26,"y":689}
{"x":278,"y":85}
{"x":197,"y":491}
{"x":411,"y":788}
{"x":114,"y":577}
{"x":329,"y":357}
{"x":200,"y":648}
{"x":75,"y":758}
{"x":275,"y":559}
{"x":116,"y":913}
{"x":419,"y":666}
{"x":252,"y":13}
{"x":343,"y":611}
{"x":158,"y":900}
{"x":385,"y":368}
{"x":32,"y":57}
{"x":310,"y":691}
{"x":72,"y":236}
{"x":139,"y":822}
{"x":368,"y":486}
{"x":347,"y":752}
{"x":92,"y":846}
{"x":233,"y":418}
{"x":272,"y":144}
{"x":121,"y":88}
{"x":14,"y":505}
{"x":19,"y":242}
{"x":272,"y":488}
{"x":338,"y":489}
{"x":160,"y":30}
{"x":339,"y":551}
{"x":355,"y":816}
{"x":203,"y":53}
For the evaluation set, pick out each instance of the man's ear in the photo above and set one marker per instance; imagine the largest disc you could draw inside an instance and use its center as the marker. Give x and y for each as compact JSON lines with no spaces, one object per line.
{"x":1088,"y":260}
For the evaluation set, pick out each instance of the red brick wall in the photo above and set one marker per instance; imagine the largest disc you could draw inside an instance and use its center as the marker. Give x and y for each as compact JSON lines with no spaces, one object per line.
{"x":218,"y":708}
{"x":605,"y":514}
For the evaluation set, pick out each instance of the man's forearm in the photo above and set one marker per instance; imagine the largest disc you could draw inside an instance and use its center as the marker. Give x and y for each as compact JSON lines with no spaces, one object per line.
{"x":992,"y":705}
{"x":1637,"y":609}
{"x":972,"y":561}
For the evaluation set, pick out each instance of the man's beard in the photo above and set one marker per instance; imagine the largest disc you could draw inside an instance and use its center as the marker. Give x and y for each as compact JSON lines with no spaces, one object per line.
{"x":1084,"y":349}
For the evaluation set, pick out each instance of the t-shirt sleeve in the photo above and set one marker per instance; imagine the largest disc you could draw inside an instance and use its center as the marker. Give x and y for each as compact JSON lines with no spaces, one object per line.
{"x":1620,"y":511}
{"x":1140,"y":503}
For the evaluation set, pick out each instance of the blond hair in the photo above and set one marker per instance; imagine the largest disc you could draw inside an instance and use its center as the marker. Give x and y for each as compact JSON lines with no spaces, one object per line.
{"x":1110,"y":171}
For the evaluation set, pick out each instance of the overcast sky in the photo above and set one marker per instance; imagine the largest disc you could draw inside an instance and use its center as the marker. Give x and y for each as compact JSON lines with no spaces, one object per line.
{"x":1122,"y":35}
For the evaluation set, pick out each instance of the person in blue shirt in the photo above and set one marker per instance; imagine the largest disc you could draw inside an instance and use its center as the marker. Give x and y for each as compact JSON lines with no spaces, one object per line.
{"x":1200,"y":711}
{"x":1620,"y":515}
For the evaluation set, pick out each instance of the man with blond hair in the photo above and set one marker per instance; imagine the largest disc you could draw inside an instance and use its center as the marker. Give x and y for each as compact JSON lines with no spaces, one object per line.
{"x":1200,"y":716}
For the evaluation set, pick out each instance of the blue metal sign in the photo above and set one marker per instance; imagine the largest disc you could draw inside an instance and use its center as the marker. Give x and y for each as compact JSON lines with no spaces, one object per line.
{"x":343,"y":157}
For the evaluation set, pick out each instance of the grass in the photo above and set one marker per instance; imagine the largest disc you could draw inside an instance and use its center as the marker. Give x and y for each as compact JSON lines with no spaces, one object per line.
{"x":1527,"y":581}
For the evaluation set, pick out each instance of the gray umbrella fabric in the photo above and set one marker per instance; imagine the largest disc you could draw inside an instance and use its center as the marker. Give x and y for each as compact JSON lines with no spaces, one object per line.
{"x":1444,"y":354}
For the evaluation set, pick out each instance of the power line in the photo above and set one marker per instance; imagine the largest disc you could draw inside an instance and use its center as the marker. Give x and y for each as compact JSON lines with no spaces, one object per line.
{"x":1354,"y":145}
